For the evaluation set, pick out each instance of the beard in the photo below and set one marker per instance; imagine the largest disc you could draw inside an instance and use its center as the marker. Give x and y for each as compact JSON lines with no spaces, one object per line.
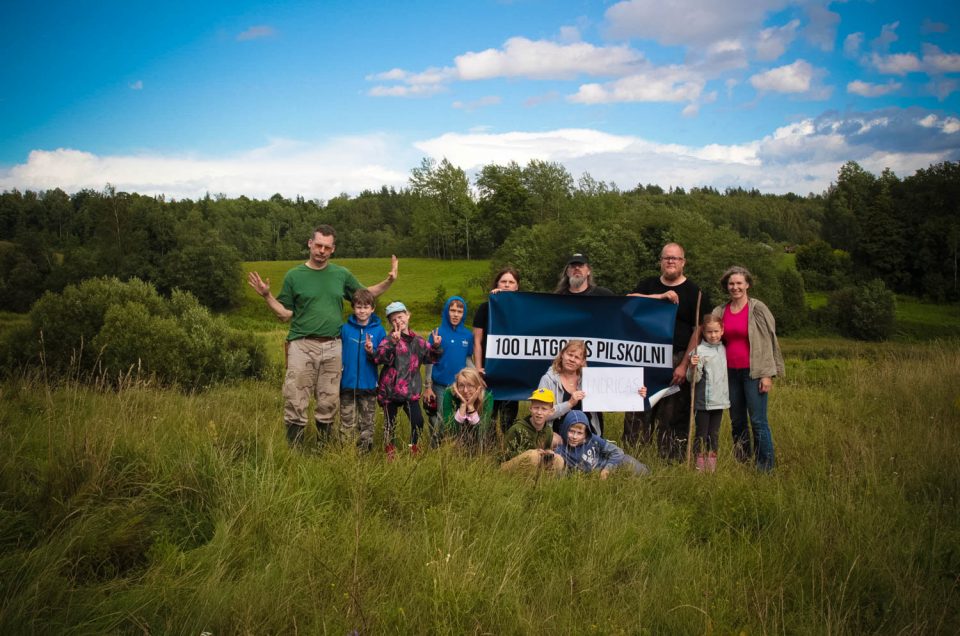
{"x":577,"y":281}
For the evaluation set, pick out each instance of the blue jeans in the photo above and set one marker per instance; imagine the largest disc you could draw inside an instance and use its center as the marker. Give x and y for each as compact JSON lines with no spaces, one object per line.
{"x":745,"y":397}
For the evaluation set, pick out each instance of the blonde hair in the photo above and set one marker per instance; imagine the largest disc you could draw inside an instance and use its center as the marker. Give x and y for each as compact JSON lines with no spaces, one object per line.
{"x":557,"y":364}
{"x":472,"y":376}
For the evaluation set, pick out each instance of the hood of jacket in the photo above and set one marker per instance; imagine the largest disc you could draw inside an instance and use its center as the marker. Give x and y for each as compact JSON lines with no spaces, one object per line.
{"x":575,"y":417}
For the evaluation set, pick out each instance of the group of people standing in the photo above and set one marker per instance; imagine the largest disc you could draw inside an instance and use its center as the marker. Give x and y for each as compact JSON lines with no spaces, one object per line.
{"x":337,"y":366}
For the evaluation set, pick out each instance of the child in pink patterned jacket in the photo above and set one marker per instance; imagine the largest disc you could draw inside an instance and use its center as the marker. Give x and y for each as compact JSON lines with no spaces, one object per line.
{"x":402,"y":353}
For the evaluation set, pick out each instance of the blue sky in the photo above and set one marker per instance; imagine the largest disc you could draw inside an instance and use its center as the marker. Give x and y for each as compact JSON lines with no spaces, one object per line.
{"x":316,"y":99}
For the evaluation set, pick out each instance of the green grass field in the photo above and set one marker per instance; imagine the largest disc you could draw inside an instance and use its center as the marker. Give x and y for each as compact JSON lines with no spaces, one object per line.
{"x":150,"y":511}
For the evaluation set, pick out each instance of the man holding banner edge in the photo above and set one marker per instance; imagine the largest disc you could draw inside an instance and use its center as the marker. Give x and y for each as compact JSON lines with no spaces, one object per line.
{"x":669,"y":417}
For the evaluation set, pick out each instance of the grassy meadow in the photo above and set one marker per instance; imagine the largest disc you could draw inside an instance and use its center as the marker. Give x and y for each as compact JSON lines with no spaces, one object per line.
{"x":150,"y":511}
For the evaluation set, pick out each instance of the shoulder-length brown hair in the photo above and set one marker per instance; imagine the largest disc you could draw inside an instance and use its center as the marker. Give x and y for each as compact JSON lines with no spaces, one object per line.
{"x":557,"y":363}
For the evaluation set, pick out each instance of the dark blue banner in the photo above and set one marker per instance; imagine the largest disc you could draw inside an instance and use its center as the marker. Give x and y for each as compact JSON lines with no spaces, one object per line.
{"x":527,"y":331}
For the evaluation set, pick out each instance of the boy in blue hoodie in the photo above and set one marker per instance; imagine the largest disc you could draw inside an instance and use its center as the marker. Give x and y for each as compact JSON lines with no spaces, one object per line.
{"x":585,"y":452}
{"x":457,"y":346}
{"x":360,"y":336}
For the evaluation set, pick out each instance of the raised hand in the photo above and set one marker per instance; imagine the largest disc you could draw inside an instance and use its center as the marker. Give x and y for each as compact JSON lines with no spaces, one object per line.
{"x":394,"y":268}
{"x":368,"y":345}
{"x":435,"y":338}
{"x":259,"y":285}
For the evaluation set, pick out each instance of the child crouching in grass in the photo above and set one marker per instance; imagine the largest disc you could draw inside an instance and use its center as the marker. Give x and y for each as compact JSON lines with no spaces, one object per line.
{"x":708,"y":369}
{"x":529,"y":442}
{"x":582,"y":451}
{"x":466,"y":409}
{"x":401,"y":353}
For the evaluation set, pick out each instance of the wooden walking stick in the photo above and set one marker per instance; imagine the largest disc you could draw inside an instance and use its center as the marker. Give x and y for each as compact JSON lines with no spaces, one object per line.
{"x":692,"y":429}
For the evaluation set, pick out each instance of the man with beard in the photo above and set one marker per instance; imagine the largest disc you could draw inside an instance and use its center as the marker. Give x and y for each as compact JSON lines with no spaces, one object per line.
{"x":577,"y":278}
{"x":669,"y":417}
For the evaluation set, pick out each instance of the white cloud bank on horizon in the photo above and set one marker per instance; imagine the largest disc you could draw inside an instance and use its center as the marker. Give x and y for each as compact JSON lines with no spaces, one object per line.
{"x":801,"y":157}
{"x":347,"y":164}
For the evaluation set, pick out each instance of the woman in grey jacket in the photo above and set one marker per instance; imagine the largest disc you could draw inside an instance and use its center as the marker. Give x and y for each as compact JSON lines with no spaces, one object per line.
{"x":753,"y":360}
{"x":564,"y":378}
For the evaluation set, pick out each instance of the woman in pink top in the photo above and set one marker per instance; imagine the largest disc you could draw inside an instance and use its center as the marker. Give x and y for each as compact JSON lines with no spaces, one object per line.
{"x":753,"y":360}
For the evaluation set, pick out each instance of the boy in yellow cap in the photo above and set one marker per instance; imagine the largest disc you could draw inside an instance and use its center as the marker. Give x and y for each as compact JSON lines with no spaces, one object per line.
{"x":529,"y":441}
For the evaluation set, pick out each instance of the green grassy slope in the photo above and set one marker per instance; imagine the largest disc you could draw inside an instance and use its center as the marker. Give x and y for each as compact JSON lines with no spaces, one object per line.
{"x":147,"y":511}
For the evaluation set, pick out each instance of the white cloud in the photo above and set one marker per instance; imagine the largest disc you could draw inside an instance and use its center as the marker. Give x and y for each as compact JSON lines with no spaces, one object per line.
{"x":798,"y":78}
{"x":896,"y":63}
{"x":542,"y":59}
{"x":929,"y":26}
{"x":936,"y":61}
{"x":489,"y":100}
{"x":256,"y":33}
{"x":866,"y":89}
{"x":949,"y":125}
{"x":800,"y":157}
{"x":348,"y":164}
{"x":519,"y":57}
{"x":888,"y":35}
{"x":655,"y":84}
{"x":136,"y":86}
{"x":852,"y":44}
{"x":423,"y":84}
{"x":569,"y":34}
{"x":688,"y":22}
{"x":933,"y":62}
{"x":773,"y":42}
{"x":821,"y":30}
{"x":942,"y":88}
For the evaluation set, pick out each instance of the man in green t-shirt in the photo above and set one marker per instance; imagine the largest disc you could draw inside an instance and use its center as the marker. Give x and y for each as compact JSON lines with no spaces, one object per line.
{"x":312,"y":302}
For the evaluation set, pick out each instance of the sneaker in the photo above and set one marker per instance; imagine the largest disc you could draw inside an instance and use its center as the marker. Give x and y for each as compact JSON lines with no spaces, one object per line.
{"x":391,"y":452}
{"x":701,"y":461}
{"x":414,"y":450}
{"x":712,"y":462}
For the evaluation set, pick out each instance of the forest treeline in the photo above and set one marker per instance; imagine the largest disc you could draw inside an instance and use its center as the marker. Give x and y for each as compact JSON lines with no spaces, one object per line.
{"x":904,"y":232}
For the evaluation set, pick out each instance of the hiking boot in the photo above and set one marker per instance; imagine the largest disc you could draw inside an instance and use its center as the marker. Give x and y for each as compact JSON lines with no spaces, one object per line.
{"x":295,"y":434}
{"x":712,"y":462}
{"x":701,"y":462}
{"x":391,"y":452}
{"x":414,"y":450}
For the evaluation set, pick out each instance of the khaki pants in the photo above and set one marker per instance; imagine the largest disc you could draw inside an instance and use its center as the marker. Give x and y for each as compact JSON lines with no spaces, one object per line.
{"x":529,"y":461}
{"x":358,"y":412}
{"x":313,"y":370}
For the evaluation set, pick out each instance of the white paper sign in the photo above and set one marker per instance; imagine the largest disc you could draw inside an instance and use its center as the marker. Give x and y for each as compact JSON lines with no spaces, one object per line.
{"x":612,"y":389}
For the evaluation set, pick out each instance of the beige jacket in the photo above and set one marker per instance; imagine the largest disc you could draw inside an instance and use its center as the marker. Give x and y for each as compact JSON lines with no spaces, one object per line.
{"x":766,"y":360}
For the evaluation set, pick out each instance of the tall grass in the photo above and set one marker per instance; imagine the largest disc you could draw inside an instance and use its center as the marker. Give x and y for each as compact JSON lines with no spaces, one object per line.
{"x":148,"y":511}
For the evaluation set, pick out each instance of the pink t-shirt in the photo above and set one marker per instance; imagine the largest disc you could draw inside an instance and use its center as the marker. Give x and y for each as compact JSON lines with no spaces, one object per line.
{"x":736,"y":337}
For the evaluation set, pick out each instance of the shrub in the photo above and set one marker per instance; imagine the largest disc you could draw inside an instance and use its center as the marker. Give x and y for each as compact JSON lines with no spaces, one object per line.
{"x":105,"y":327}
{"x":791,"y":310}
{"x":865,"y":312}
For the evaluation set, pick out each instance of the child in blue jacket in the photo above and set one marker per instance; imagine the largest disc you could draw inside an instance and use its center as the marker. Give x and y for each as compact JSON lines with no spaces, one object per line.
{"x":457,"y":346}
{"x":360,"y":336}
{"x":585,"y":452}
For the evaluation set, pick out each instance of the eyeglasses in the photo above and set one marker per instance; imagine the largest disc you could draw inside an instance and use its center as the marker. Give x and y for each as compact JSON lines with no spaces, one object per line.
{"x":671,"y":259}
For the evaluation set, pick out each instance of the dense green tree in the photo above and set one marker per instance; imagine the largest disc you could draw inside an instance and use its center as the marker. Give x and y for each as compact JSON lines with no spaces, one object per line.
{"x":550,"y":187}
{"x":446,"y":207}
